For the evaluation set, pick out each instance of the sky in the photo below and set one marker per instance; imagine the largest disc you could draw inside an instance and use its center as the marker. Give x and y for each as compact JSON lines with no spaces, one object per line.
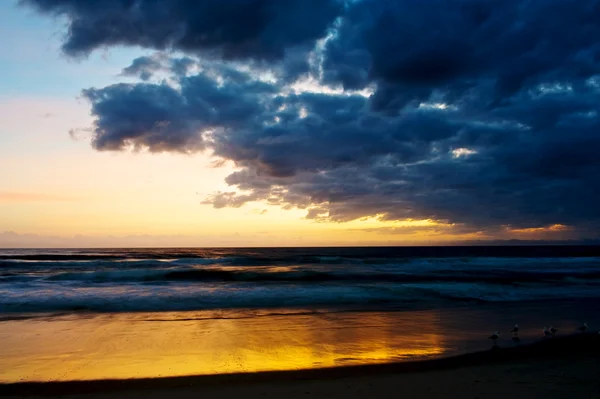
{"x":298,"y":122}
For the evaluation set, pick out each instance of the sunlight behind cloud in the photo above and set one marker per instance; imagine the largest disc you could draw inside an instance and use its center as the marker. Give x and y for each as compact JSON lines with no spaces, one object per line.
{"x":546,"y":229}
{"x":462,"y":152}
{"x":311,"y":85}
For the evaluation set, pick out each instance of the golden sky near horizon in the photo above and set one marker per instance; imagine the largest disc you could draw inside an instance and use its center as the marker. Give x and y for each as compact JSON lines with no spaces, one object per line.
{"x":57,"y":191}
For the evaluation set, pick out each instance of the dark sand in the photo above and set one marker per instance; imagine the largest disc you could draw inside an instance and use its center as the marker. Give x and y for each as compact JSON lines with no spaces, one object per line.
{"x":567,"y":367}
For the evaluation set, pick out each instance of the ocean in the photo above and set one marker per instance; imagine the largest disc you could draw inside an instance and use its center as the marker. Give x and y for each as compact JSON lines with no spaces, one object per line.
{"x":94,"y":313}
{"x":130,"y":280}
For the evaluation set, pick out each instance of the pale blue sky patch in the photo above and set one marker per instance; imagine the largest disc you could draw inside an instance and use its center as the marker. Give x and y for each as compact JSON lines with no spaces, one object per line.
{"x":32,"y":64}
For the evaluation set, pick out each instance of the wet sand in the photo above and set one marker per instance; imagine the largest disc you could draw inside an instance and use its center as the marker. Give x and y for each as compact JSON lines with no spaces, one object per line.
{"x":557,"y":368}
{"x":152,"y":345}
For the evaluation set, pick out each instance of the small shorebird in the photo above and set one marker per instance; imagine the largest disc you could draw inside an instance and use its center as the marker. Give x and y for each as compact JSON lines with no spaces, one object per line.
{"x":553,"y":331}
{"x":515,"y":334}
{"x":494,"y":337}
{"x":583,"y":328}
{"x":547,"y":332}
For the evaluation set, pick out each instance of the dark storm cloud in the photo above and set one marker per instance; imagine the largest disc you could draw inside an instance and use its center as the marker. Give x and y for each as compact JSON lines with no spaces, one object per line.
{"x":437,"y":44}
{"x":234,"y":28}
{"x":142,"y":115}
{"x":161,"y":118}
{"x":483,"y":114}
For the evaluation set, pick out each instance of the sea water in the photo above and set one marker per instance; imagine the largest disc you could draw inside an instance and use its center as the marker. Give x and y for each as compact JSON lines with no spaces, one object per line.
{"x":122,"y":313}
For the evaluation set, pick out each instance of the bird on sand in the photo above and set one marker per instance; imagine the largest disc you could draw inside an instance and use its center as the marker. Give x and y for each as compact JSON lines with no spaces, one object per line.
{"x":515,"y":334}
{"x":553,"y":331}
{"x":547,"y":332}
{"x":583,"y":328}
{"x":494,"y":337}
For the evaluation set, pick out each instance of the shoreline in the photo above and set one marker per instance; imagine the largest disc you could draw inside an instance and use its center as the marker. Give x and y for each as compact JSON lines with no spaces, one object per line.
{"x":581,"y":346}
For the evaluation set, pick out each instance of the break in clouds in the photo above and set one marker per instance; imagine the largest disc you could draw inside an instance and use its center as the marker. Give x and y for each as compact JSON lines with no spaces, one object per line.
{"x":479,"y":113}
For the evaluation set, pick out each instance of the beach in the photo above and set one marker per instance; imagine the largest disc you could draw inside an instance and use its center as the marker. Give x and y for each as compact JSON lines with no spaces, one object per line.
{"x":99,"y":346}
{"x":559,"y":368}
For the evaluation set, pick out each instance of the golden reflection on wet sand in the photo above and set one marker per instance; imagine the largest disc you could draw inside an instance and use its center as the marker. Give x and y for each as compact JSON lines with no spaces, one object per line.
{"x":186,"y":343}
